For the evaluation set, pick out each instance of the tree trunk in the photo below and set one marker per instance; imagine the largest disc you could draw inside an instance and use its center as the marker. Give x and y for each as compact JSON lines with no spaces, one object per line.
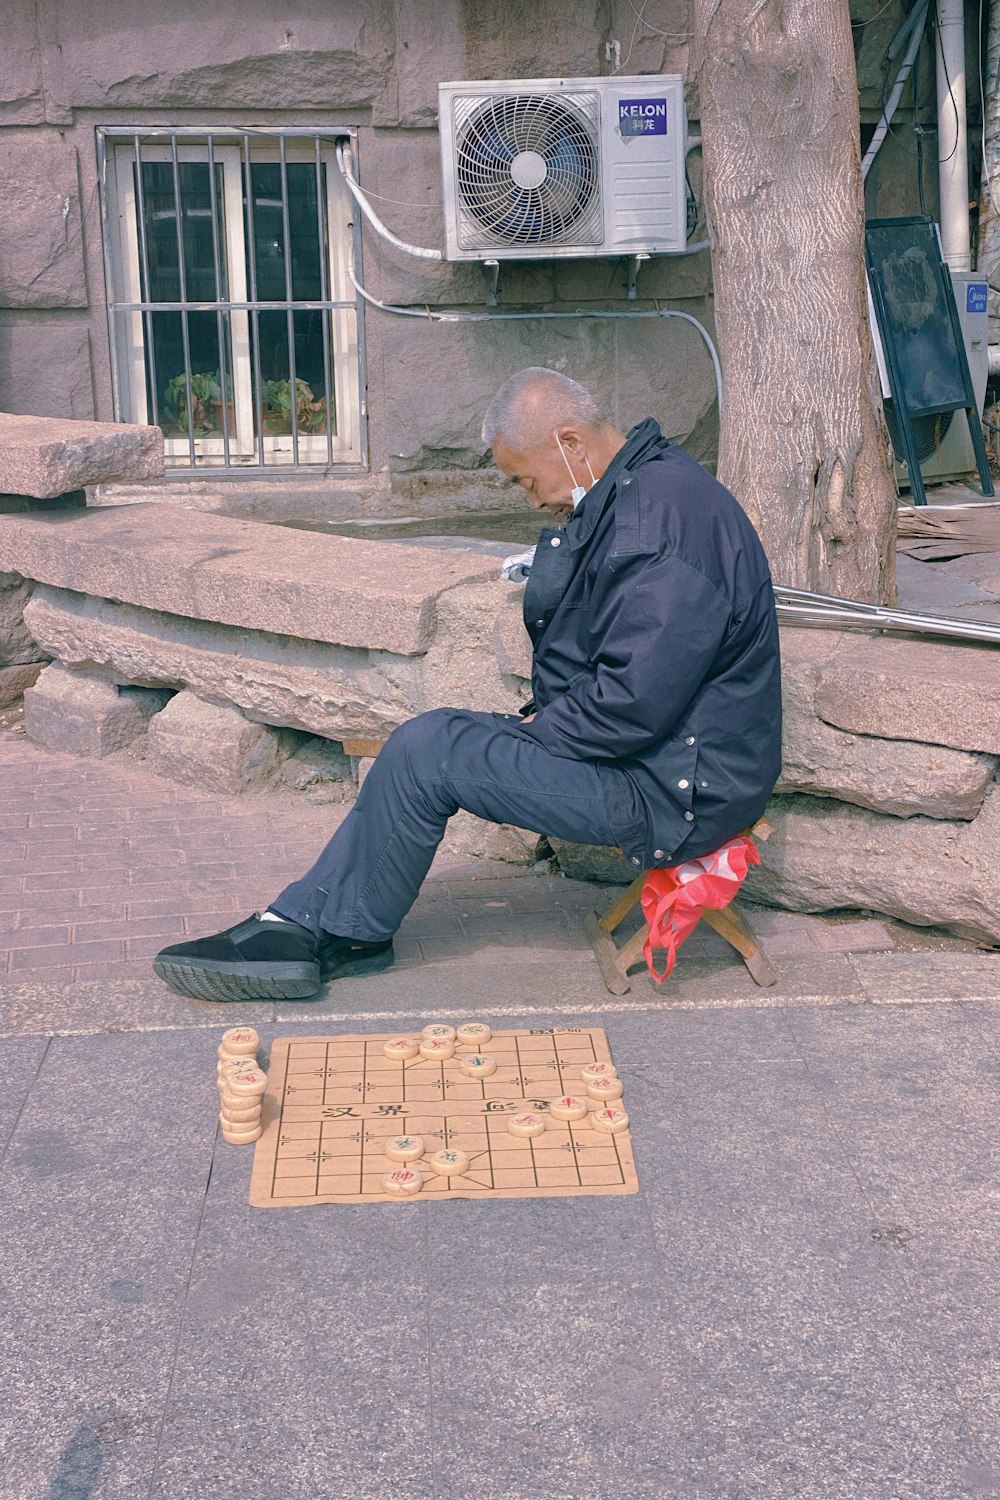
{"x":988,"y":258}
{"x":803,"y":443}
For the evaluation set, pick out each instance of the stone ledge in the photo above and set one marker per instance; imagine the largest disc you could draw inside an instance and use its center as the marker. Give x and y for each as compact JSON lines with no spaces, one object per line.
{"x":339,"y":692}
{"x":48,"y":456}
{"x":338,"y":590}
{"x":900,"y":777}
{"x":823,"y":855}
{"x":933,"y":692}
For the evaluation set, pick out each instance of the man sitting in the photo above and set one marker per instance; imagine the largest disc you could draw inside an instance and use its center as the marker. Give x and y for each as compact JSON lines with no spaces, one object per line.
{"x":655,"y":723}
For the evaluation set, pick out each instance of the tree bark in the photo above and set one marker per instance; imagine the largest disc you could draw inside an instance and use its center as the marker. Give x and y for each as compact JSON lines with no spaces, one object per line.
{"x":803,"y":443}
{"x":988,"y":260}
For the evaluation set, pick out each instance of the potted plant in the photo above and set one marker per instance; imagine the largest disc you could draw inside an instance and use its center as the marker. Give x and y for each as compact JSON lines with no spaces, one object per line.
{"x":310,"y":414}
{"x":202,"y":396}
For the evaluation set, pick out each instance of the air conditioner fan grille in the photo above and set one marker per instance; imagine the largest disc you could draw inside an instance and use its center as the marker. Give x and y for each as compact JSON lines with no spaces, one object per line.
{"x":527,"y":170}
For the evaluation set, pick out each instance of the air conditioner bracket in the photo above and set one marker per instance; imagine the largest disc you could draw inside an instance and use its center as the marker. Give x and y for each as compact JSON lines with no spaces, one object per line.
{"x":491,"y":274}
{"x":634,"y":267}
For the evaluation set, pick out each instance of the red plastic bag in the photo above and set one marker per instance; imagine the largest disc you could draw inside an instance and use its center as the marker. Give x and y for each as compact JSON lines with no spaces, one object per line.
{"x":673,"y":899}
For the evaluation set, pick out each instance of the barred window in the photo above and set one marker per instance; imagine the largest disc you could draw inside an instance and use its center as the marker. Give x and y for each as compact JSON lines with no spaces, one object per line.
{"x":234,"y":325}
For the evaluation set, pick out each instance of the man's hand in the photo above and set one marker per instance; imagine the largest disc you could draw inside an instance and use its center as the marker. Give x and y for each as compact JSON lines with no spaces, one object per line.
{"x":527,"y":718}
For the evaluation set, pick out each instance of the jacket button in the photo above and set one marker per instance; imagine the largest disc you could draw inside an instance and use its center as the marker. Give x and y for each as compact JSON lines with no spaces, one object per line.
{"x":555,"y":542}
{"x":658,"y":854}
{"x":634,"y":860}
{"x":689,"y":740}
{"x":704,"y":783}
{"x":683,"y":784}
{"x":539,"y":623}
{"x":689,"y":817}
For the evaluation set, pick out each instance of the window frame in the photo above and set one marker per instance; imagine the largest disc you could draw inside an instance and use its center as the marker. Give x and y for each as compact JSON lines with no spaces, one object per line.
{"x":234,"y":150}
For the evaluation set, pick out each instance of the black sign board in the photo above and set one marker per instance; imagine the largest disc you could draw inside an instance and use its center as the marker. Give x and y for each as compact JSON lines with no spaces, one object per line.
{"x":921,"y":334}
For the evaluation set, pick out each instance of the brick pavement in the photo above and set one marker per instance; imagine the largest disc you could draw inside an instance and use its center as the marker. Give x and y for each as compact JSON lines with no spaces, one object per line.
{"x":102,"y":863}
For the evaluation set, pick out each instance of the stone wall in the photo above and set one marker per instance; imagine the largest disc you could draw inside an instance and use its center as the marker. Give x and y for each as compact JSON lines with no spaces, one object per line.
{"x":265,"y":653}
{"x":374,"y":65}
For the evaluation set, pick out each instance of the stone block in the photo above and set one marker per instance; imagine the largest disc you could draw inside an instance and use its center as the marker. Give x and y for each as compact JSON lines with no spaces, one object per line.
{"x":316,"y":762}
{"x":213,"y":746}
{"x":825,"y":855}
{"x":42,"y":264}
{"x":22,"y":97}
{"x":17,"y":646}
{"x":335,"y":589}
{"x":935,"y":692}
{"x":15,"y":681}
{"x":593,"y":862}
{"x":45,"y":367}
{"x":437,"y":425}
{"x":47,"y":456}
{"x":84,"y":714}
{"x":890,"y":776}
{"x":323,"y":57}
{"x":510,"y":639}
{"x":335,"y":691}
{"x":468,"y":836}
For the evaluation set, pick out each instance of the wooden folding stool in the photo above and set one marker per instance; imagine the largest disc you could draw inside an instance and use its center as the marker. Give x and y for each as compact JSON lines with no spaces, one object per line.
{"x":729,"y":923}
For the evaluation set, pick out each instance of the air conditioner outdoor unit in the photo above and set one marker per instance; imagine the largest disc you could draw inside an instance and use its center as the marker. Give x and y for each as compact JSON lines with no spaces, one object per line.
{"x":549,"y":167}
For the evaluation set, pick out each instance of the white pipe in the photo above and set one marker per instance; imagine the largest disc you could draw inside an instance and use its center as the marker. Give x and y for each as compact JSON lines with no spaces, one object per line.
{"x":346,"y":164}
{"x":953,"y":141}
{"x":450,"y":315}
{"x":913,"y":27}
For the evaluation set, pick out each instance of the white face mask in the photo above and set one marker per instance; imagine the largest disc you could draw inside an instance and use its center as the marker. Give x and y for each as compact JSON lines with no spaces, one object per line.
{"x":577,"y":493}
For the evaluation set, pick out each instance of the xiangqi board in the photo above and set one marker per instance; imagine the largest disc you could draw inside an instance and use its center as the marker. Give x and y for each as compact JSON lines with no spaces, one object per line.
{"x":333,"y":1102}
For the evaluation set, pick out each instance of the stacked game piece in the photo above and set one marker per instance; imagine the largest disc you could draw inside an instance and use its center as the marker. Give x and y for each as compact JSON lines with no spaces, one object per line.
{"x":241,"y":1086}
{"x":603,"y":1084}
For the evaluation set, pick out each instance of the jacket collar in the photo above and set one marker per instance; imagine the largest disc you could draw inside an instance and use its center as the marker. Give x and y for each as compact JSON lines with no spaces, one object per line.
{"x":643,"y":442}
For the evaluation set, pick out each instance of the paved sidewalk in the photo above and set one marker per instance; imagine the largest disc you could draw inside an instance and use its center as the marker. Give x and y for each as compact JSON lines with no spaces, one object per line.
{"x":799,"y":1304}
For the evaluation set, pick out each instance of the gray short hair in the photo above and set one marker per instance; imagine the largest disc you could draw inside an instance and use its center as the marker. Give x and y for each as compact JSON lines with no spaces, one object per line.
{"x":528,"y":405}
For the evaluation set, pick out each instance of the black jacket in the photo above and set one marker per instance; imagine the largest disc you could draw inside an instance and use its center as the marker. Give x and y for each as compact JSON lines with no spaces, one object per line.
{"x":656,"y":652}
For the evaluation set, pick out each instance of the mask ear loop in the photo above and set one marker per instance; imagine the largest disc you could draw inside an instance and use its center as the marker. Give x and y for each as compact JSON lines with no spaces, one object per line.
{"x":578,"y":491}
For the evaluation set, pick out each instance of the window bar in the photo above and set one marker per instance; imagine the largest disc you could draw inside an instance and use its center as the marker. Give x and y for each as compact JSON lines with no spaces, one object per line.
{"x":324,"y":293}
{"x":219,"y":316}
{"x":185,"y":340}
{"x":287,"y":237}
{"x":361,"y":333}
{"x":147,"y":317}
{"x":258,"y":385}
{"x":110,"y":280}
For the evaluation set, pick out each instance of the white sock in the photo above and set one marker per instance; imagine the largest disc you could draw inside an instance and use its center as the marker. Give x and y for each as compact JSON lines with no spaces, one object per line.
{"x":272,"y":916}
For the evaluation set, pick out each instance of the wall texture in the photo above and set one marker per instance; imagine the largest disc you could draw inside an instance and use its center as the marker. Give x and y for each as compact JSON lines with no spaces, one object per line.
{"x":68,"y":66}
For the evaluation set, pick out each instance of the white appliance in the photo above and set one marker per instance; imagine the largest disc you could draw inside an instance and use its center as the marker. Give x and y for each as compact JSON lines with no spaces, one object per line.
{"x":550,"y":167}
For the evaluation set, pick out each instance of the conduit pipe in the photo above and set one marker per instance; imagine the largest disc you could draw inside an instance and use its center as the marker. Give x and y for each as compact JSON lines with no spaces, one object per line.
{"x":953,"y":139}
{"x":912,"y":27}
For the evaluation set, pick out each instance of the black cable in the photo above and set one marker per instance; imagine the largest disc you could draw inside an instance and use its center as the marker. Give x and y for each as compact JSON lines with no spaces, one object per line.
{"x":859,"y":25}
{"x":951,"y":91}
{"x":929,"y":127}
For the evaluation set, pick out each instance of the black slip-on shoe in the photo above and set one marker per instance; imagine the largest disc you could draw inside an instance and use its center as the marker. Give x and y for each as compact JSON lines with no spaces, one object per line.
{"x":254,"y":960}
{"x":346,"y":958}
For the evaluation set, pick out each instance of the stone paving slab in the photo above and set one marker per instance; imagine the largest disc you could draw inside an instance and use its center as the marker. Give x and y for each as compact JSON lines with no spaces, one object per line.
{"x":742,"y":1327}
{"x":100,"y":1197}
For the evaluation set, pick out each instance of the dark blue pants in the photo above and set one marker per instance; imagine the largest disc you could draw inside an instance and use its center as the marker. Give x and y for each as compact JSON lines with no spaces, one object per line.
{"x":368,"y":876}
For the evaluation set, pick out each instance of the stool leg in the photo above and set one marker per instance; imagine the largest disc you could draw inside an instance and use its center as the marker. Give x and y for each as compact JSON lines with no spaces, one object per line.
{"x":608,"y":959}
{"x":731,"y":924}
{"x":623,"y":905}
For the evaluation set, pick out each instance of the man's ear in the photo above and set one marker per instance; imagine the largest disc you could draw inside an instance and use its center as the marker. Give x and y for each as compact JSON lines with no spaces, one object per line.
{"x":571,"y":439}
